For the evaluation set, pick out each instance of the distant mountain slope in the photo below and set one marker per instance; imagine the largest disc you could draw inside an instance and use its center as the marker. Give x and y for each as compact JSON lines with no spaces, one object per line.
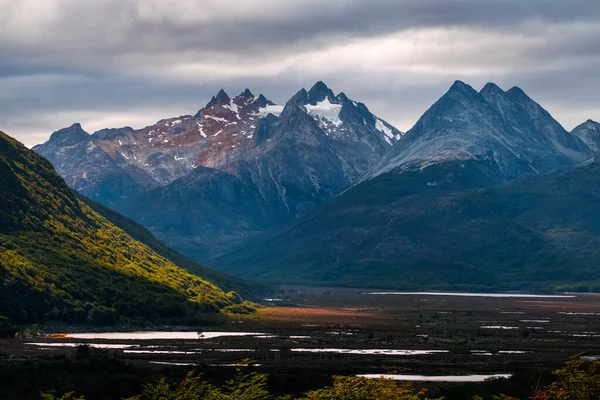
{"x":589,"y":133}
{"x":467,"y":198}
{"x":62,"y":261}
{"x":89,"y":170}
{"x":203,"y":212}
{"x":537,"y":233}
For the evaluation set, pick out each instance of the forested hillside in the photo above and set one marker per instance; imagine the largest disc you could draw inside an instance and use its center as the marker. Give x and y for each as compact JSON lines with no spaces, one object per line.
{"x":60,"y":260}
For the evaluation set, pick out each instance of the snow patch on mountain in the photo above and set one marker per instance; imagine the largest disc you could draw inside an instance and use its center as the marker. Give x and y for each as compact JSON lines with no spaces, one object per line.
{"x":390,"y":137}
{"x":324,"y":112}
{"x":218,"y":119}
{"x":270,"y":109}
{"x":232,"y":106}
{"x":201,"y":130}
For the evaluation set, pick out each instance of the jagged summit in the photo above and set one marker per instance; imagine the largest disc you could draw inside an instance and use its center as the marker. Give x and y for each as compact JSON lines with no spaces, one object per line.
{"x":491,"y":88}
{"x":261,"y":101}
{"x":70,"y":135}
{"x":589,"y":133}
{"x":457,"y":95}
{"x":343,"y":98}
{"x":497,"y":97}
{"x":297,"y":101}
{"x":319,"y":92}
{"x":460,"y":86}
{"x":220,"y":99}
{"x":518,"y":93}
{"x":246,"y":93}
{"x":223,"y":97}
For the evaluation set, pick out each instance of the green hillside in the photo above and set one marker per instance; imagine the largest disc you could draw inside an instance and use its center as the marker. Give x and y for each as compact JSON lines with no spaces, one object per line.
{"x":246,"y":288}
{"x":60,"y":260}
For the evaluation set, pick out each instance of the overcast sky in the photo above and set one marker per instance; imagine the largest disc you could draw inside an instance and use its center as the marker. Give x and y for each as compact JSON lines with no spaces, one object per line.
{"x":110,"y":63}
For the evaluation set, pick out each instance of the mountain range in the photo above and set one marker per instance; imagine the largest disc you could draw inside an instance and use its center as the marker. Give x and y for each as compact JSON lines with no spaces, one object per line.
{"x":487,"y":190}
{"x":237,"y":167}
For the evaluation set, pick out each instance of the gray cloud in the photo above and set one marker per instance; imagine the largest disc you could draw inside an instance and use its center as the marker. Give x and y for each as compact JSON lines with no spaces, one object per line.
{"x":135,"y":61}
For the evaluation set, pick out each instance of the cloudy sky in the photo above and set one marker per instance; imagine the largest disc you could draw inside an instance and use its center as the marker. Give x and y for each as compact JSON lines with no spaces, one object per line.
{"x":109,"y":63}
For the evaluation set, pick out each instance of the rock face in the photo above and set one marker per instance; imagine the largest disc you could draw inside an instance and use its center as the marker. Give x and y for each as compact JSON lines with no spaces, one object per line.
{"x":280,"y":161}
{"x":487,"y":190}
{"x":91,"y":171}
{"x":589,"y":133}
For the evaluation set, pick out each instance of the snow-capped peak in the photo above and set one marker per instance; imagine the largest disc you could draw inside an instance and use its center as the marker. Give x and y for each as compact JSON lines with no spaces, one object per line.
{"x":319,"y":92}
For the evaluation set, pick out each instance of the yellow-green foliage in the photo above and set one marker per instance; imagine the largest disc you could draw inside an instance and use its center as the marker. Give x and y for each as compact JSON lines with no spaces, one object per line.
{"x":61,"y":260}
{"x":253,"y":386}
{"x":355,"y":388}
{"x":577,"y":380}
{"x":66,"y":396}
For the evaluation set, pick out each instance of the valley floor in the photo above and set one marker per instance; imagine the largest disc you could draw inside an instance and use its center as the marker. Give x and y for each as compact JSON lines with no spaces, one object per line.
{"x":305,"y":335}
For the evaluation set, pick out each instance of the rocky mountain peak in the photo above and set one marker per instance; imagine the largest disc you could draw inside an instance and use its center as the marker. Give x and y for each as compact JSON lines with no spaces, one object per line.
{"x":261,"y":102}
{"x":320,"y":92}
{"x":589,"y":133}
{"x":355,"y":112}
{"x":220,"y":99}
{"x":459,"y":93}
{"x":491,"y":89}
{"x":498,"y":98}
{"x":517,"y":94}
{"x":343,"y":98}
{"x":459,"y":98}
{"x":461,"y":87}
{"x":246,"y":93}
{"x":70,"y":136}
{"x":296,"y":103}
